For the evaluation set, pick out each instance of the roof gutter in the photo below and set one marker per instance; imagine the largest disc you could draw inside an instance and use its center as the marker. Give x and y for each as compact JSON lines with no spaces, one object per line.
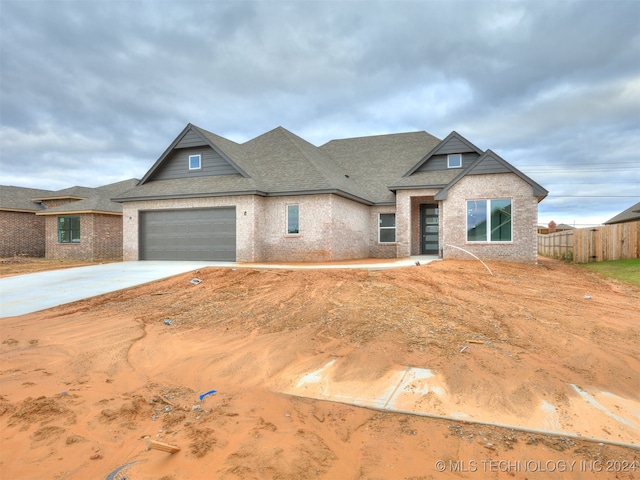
{"x":338,"y":192}
{"x":78,"y":212}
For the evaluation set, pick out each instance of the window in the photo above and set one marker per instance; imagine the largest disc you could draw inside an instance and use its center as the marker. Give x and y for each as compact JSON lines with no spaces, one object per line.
{"x":293,"y":219}
{"x":69,"y":229}
{"x":489,"y":221}
{"x":387,"y":230}
{"x":195,"y":162}
{"x":454,"y":160}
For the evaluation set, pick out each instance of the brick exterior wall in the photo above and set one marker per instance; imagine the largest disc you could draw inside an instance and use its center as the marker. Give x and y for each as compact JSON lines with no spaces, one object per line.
{"x":100,"y":238}
{"x":524,"y":206}
{"x":107,"y":239}
{"x":377,"y":249}
{"x":249,"y":213}
{"x":335,"y":228}
{"x":331,"y":227}
{"x":408,"y":219}
{"x":21,"y":233}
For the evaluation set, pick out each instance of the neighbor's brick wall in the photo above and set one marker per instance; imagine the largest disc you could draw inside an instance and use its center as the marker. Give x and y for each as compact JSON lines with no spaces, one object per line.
{"x":523,"y":248}
{"x":107,"y":237}
{"x":100,"y":238}
{"x":21,"y":233}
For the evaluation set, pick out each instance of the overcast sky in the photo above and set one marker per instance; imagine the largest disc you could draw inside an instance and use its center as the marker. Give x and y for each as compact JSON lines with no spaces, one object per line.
{"x":93,"y":91}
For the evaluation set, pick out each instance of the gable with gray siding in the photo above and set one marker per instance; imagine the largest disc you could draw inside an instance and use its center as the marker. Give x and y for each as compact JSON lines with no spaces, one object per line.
{"x":177,"y":164}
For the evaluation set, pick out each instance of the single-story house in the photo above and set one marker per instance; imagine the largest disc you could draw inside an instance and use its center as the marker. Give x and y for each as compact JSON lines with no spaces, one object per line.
{"x":21,"y":231}
{"x":631,"y":214}
{"x":277,"y":197}
{"x":78,"y":223}
{"x":554,"y":228}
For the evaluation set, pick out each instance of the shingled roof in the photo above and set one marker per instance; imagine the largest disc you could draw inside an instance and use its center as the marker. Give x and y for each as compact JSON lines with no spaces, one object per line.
{"x":278,"y":162}
{"x":21,"y":199}
{"x":631,"y":214}
{"x":88,"y":200}
{"x":82,"y":199}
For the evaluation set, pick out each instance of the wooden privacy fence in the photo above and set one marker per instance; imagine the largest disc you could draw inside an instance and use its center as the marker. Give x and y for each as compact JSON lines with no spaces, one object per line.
{"x":556,"y":245}
{"x":620,"y":241}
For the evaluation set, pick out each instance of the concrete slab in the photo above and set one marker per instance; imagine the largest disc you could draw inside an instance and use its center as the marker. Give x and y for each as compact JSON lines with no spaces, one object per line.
{"x":22,"y":294}
{"x":424,"y":392}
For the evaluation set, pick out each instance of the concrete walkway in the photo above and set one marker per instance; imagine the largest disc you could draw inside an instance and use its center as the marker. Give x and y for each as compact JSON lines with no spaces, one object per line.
{"x":22,"y":294}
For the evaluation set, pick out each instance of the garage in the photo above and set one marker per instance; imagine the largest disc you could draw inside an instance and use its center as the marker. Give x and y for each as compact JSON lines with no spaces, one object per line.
{"x":188,"y":234}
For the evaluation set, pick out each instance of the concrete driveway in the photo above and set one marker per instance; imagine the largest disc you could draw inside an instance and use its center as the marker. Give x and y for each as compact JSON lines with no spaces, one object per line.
{"x":23,"y":294}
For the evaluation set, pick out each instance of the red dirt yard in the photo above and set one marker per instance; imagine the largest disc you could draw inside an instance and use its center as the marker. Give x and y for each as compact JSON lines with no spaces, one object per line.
{"x":86,"y":386}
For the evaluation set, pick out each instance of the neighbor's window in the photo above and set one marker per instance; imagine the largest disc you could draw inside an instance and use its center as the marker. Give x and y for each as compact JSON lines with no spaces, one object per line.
{"x":194,"y":162}
{"x":293,"y":219}
{"x":387,"y":230}
{"x":489,"y":221}
{"x":454,"y":160}
{"x":69,"y":229}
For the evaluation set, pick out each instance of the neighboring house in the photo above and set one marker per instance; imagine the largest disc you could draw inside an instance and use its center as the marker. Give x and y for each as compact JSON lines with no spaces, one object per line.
{"x":277,"y":197}
{"x":21,"y":231}
{"x":78,"y":223}
{"x":631,"y":214}
{"x":553,"y":228}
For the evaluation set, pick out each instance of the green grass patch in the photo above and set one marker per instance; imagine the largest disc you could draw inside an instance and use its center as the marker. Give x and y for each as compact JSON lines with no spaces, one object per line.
{"x":623,"y":270}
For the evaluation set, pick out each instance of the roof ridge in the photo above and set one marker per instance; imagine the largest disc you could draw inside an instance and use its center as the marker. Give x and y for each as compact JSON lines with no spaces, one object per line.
{"x":327,"y":175}
{"x":380,"y":135}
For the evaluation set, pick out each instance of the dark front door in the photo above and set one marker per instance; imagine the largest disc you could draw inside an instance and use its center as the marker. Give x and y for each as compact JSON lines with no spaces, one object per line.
{"x":429,"y":229}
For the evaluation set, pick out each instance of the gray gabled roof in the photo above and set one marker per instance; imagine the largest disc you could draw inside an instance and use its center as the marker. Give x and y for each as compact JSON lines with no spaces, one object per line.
{"x":631,"y":214}
{"x":285,"y":163}
{"x":453,"y":143}
{"x":214,"y":186}
{"x":21,"y":199}
{"x":208,"y":138}
{"x":278,"y":162}
{"x":72,"y":193}
{"x":88,"y":200}
{"x":376,"y":162}
{"x":491,"y":162}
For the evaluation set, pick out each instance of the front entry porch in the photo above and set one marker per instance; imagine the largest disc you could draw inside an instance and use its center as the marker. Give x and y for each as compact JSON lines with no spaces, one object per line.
{"x":425,"y":226}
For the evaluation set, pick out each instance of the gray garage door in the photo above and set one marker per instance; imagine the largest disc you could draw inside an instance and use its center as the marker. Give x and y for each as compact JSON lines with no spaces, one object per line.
{"x":188,"y":234}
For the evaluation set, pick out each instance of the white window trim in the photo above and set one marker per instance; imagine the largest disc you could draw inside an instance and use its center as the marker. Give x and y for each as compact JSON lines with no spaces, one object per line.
{"x":286,"y":220}
{"x":199,"y":167}
{"x":488,"y":240}
{"x":388,"y":228}
{"x":449,"y":160}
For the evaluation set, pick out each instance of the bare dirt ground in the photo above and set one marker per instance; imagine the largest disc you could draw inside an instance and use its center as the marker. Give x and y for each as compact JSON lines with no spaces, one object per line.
{"x":22,"y":265}
{"x":85,"y":387}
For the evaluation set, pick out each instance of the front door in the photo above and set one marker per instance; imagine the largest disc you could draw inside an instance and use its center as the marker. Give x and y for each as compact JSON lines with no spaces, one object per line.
{"x":429,"y":229}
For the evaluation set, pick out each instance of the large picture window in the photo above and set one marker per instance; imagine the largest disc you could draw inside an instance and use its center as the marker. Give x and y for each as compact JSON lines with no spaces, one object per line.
{"x":387,"y":230}
{"x":69,"y":229}
{"x":293,"y":219}
{"x":489,"y":221}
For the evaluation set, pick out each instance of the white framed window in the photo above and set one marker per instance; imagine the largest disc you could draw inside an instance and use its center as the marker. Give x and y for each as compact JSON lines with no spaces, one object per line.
{"x":387,"y":228}
{"x":293,"y":219}
{"x":489,"y":221}
{"x":195,"y":162}
{"x":454,"y":160}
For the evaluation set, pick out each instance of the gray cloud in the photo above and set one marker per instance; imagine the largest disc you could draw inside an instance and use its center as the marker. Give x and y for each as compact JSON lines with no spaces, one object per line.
{"x":93,"y":91}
